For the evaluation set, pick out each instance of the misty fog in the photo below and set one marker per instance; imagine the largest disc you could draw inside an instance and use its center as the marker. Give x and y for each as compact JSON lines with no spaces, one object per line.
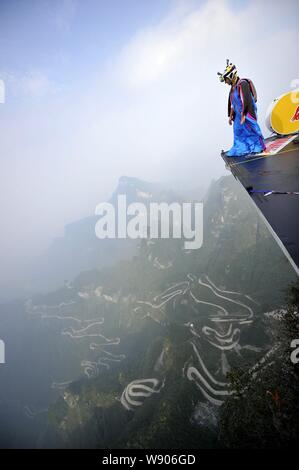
{"x":99,"y":90}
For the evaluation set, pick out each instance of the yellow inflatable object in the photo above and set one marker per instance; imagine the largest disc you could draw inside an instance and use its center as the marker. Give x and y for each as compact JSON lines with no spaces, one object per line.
{"x":283,"y":114}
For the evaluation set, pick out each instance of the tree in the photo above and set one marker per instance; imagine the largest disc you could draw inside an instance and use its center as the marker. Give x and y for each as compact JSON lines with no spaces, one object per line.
{"x":264,"y":411}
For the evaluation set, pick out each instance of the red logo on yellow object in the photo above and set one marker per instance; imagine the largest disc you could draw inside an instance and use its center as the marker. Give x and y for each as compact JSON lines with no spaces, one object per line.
{"x":296,"y":115}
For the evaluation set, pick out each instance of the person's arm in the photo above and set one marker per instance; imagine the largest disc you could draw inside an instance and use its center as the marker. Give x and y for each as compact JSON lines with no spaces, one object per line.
{"x":231,"y":116}
{"x":245,"y":95}
{"x":231,"y":111}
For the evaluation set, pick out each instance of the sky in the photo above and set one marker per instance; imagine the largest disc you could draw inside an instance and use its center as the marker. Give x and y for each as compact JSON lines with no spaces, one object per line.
{"x":97,"y":89}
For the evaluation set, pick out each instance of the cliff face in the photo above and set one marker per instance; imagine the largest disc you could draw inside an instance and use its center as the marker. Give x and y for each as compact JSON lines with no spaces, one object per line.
{"x":135,"y":350}
{"x":79,"y":249}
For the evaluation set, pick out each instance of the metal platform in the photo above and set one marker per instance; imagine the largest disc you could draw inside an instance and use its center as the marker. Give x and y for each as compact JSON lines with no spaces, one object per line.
{"x":271,"y":179}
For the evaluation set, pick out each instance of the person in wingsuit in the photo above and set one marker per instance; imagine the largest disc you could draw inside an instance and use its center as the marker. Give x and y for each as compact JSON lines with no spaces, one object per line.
{"x":242,"y":111}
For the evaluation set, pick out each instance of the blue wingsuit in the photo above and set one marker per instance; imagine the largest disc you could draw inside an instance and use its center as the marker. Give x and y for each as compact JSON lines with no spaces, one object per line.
{"x":248,"y":137}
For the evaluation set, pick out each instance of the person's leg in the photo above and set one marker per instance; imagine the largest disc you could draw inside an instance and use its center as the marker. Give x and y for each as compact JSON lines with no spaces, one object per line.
{"x":240,"y":146}
{"x":254,"y":137}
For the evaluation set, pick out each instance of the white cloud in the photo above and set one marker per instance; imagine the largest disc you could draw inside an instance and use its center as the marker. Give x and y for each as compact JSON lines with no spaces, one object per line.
{"x":201,"y":40}
{"x":178,"y":40}
{"x":174,"y":111}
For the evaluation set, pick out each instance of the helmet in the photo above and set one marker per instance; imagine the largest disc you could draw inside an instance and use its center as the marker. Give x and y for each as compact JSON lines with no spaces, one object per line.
{"x":230,"y":72}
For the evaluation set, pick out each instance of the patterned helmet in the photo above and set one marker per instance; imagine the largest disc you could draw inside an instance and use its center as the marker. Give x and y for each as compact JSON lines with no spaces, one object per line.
{"x":230,"y":72}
